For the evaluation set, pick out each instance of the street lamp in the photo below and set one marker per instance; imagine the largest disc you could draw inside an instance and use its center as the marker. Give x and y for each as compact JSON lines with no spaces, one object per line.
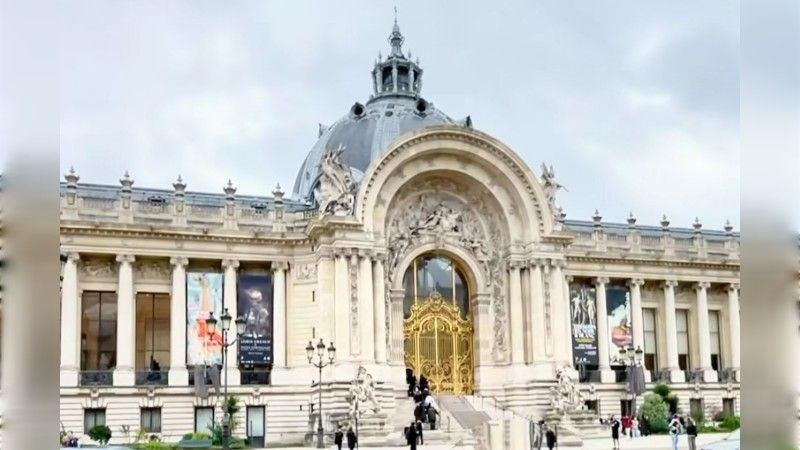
{"x":319,"y":363}
{"x":632,"y":360}
{"x":211,"y":326}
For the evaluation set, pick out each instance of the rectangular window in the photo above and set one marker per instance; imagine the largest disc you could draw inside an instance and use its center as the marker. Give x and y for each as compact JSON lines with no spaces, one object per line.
{"x":151,"y":420}
{"x":625,"y":407}
{"x":650,"y":343}
{"x":713,"y":329}
{"x":93,"y":417}
{"x":203,"y":419}
{"x":728,"y":406}
{"x":591,"y":405}
{"x":152,"y":332}
{"x":696,"y":407}
{"x":682,"y":328}
{"x":98,"y":331}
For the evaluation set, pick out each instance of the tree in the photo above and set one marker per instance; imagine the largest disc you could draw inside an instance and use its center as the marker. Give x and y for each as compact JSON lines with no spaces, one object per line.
{"x":655,"y":411}
{"x":669,"y":398}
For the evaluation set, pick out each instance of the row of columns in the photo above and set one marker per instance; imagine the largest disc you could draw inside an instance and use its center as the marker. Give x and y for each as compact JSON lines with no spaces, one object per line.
{"x":125,"y":371}
{"x":358,"y":316}
{"x":547,"y":303}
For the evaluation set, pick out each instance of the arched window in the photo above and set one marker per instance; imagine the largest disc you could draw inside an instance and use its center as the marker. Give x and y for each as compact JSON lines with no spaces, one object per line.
{"x":431,"y":273}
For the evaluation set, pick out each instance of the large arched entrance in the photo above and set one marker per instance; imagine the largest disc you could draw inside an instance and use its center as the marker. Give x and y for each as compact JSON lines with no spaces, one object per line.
{"x":437,"y":328}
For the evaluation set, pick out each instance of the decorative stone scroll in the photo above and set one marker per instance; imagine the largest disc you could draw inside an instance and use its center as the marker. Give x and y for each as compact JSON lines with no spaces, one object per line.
{"x":306,"y":272}
{"x":335,"y":194}
{"x":430,"y":212}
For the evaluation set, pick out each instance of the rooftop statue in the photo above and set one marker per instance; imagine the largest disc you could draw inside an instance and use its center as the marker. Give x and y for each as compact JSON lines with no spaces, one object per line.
{"x":335,"y":192}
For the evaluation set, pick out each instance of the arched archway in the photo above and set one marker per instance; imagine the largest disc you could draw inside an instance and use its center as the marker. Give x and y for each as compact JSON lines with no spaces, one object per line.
{"x":438,"y":332}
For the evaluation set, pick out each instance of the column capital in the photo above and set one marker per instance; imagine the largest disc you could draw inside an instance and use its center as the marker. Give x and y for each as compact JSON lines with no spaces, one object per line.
{"x":366,"y":253}
{"x":515,"y":264}
{"x":733,"y":286}
{"x":341,"y":252}
{"x":179,"y":261}
{"x":702,"y":285}
{"x":601,"y":281}
{"x":279,"y":265}
{"x":534,"y":263}
{"x":230,"y":263}
{"x":569,"y":278}
{"x":638,"y":282}
{"x":557,"y":263}
{"x":73,"y":256}
{"x":126,"y":259}
{"x":480,"y":300}
{"x":379,"y":258}
{"x":397,"y":295}
{"x":670,"y":283}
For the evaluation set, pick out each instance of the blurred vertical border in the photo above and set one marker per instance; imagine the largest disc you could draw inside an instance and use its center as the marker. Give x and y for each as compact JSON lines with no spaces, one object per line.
{"x":770,"y":203}
{"x":29,"y":220}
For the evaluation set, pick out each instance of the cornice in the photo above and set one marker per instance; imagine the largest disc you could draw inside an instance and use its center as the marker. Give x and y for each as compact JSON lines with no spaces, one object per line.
{"x":655,"y":263}
{"x":104,"y":231}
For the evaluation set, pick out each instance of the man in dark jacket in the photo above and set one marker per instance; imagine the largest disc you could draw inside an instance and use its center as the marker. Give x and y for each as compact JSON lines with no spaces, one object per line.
{"x":411,"y":436}
{"x":550,"y":438}
{"x":351,"y":439}
{"x":338,"y":437}
{"x":419,"y":432}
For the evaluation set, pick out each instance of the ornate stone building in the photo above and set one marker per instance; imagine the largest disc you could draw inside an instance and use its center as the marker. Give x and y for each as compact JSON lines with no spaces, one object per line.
{"x":411,"y":240}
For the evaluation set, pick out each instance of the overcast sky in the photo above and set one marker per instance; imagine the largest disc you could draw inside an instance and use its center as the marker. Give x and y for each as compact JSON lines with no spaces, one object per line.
{"x":635,"y":104}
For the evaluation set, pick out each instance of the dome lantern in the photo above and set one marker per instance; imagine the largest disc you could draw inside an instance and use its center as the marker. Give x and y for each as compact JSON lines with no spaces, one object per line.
{"x":397,"y":75}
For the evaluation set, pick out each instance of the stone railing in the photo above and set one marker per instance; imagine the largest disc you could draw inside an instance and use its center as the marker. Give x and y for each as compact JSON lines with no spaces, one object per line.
{"x":693,"y":247}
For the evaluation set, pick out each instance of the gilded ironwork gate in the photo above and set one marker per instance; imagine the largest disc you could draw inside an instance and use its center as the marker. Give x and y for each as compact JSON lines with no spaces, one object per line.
{"x":438,"y":344}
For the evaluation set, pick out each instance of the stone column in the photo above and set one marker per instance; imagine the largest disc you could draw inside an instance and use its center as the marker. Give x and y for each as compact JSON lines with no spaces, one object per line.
{"x":229,"y":298}
{"x":517,"y":326}
{"x":353,"y":304}
{"x":325,"y":298}
{"x":178,"y":375}
{"x":379,"y":299}
{"x":124,"y":373}
{"x":396,"y":298}
{"x":483,"y":337}
{"x":734,"y":328}
{"x":366,"y":308}
{"x":637,"y":319}
{"x":703,"y":334}
{"x":606,"y":374}
{"x":70,"y":323}
{"x":536,"y":310}
{"x":559,"y":314}
{"x":567,"y":319}
{"x":341,"y":301}
{"x":279,"y":341}
{"x":671,"y":332}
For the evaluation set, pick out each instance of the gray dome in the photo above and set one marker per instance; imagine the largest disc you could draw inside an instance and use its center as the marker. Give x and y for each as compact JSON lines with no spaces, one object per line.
{"x":395,"y":108}
{"x":365,"y":134}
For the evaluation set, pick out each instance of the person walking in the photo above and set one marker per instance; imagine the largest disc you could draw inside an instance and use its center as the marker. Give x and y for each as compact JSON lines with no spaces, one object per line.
{"x":615,"y":424}
{"x":411,"y":436}
{"x":351,"y":439}
{"x":691,"y":433}
{"x":419,"y":432}
{"x":634,"y":428}
{"x":675,"y":431}
{"x":338,"y":437}
{"x":550,"y":437}
{"x":432,"y":413}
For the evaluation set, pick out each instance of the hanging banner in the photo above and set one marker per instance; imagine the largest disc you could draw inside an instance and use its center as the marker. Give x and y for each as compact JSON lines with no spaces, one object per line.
{"x":583,"y":302}
{"x":203,"y":295}
{"x":620,"y":335}
{"x":254,"y":303}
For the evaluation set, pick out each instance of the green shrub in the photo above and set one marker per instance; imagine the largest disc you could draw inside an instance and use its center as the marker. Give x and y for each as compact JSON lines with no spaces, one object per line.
{"x":100,"y":433}
{"x":237,"y":443}
{"x":666,"y":394}
{"x":719,"y":416}
{"x":730,"y":423}
{"x":196,"y":437}
{"x":654,"y":413}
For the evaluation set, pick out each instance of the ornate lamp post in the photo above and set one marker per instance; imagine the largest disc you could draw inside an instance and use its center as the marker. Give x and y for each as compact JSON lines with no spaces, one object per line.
{"x":319,"y":363}
{"x":211,"y":324}
{"x":632,"y":359}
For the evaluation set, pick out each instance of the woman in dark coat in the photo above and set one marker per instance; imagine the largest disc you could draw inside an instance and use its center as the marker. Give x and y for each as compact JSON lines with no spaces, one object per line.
{"x":338,"y":437}
{"x":411,"y":436}
{"x":550,"y":437}
{"x":615,"y":432}
{"x":351,"y":439}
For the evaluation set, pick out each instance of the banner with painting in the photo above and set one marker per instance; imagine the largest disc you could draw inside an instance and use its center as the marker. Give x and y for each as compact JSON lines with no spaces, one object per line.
{"x":583,"y":301}
{"x":203,"y":296}
{"x":255,"y":305}
{"x":620,"y":334}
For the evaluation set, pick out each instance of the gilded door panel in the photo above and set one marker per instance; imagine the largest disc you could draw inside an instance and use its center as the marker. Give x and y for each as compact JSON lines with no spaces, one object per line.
{"x":438,"y":344}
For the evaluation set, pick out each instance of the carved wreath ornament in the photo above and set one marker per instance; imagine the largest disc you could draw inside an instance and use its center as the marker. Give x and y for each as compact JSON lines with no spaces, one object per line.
{"x":426,"y":214}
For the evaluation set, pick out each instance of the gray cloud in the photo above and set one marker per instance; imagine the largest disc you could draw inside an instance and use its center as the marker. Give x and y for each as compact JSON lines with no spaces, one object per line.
{"x":635,"y":106}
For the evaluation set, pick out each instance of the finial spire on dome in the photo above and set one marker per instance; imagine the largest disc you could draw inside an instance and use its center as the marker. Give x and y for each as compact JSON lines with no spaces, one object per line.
{"x":396,"y":39}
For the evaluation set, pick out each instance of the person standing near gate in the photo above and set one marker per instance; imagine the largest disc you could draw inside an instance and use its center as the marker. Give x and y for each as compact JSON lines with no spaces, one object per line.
{"x":338,"y":437}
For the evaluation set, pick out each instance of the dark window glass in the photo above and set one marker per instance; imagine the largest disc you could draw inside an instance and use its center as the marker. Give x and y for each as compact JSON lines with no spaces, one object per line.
{"x":683,"y":362}
{"x":152,"y":331}
{"x":151,"y":420}
{"x":93,"y":417}
{"x":727,"y":406}
{"x":98,"y":330}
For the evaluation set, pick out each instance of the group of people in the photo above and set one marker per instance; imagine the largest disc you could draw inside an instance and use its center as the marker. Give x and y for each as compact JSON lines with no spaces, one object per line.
{"x":425,"y":409}
{"x":633,"y":427}
{"x":339,"y":437}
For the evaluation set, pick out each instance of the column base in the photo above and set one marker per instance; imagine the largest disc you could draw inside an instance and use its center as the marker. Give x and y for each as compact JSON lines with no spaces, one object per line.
{"x":710,"y":375}
{"x":124,"y":376}
{"x":607,"y":376}
{"x":676,"y":376}
{"x":648,"y":376}
{"x":234,"y":378}
{"x":178,"y":376}
{"x":69,"y":377}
